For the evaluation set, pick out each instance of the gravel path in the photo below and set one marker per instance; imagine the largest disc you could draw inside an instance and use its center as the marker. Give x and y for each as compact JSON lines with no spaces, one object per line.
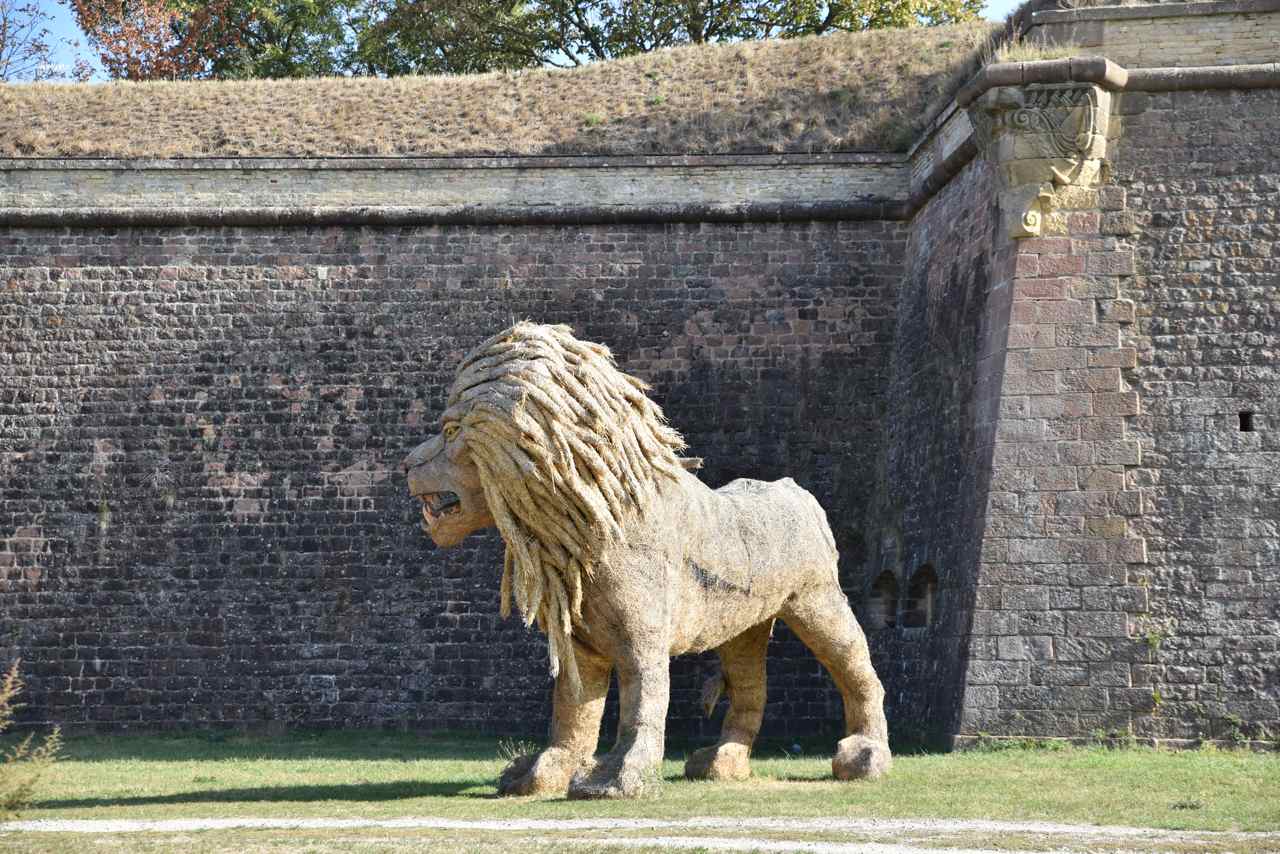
{"x":861,"y":826}
{"x":714,"y":843}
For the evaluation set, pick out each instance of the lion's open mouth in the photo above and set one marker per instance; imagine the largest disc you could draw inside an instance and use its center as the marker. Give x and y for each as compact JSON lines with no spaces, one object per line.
{"x":437,"y":504}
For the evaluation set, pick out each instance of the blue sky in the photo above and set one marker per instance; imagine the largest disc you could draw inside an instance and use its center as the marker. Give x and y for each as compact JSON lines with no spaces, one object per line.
{"x":64,"y":27}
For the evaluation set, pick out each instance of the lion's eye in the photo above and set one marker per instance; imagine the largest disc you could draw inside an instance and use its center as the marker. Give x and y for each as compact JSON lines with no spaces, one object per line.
{"x":451,"y":432}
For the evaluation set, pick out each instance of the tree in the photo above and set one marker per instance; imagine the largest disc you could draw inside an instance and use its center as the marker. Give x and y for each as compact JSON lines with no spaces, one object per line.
{"x":293,"y":38}
{"x":804,"y":17}
{"x":158,"y":39}
{"x":447,"y":37}
{"x":26,"y":45}
{"x":188,"y":39}
{"x":495,"y":34}
{"x":147,"y":39}
{"x":22,"y":765}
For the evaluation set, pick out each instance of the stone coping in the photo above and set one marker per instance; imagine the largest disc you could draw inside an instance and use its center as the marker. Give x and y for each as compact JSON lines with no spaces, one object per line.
{"x":1153,"y":10}
{"x":851,"y":211}
{"x":681,"y":161}
{"x":1081,"y":69}
{"x":1108,"y":75}
{"x":1263,"y":76}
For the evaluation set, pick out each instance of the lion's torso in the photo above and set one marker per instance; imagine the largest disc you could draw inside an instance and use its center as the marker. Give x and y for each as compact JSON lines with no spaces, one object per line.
{"x":714,"y":562}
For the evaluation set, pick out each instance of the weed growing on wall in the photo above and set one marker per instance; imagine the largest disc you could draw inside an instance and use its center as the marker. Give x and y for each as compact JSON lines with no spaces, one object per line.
{"x":22,"y":764}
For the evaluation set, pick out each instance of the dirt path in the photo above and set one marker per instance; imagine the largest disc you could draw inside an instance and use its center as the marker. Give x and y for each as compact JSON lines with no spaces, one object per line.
{"x":815,"y":835}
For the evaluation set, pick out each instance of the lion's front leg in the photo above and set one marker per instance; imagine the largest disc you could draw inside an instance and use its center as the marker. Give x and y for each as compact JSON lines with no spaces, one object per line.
{"x":822,"y":619}
{"x":575,"y":730}
{"x":644,"y":689}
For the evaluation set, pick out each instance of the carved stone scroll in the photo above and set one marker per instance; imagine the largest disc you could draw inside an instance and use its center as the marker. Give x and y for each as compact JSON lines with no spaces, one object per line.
{"x":1041,"y":138}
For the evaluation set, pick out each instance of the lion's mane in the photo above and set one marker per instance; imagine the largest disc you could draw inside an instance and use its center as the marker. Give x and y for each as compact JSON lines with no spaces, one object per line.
{"x":569,"y":449}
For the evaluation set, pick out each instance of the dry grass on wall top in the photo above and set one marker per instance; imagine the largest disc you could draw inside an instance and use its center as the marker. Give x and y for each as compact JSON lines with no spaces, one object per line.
{"x":842,"y":92}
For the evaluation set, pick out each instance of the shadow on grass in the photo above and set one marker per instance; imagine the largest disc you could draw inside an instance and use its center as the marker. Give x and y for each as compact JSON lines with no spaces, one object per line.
{"x":377,"y":745}
{"x":212,"y":746}
{"x":370,"y":792}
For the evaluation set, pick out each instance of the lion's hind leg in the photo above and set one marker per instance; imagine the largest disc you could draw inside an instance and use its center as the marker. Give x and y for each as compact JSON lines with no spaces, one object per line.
{"x":575,"y":731}
{"x":742,"y":664}
{"x":822,"y":620}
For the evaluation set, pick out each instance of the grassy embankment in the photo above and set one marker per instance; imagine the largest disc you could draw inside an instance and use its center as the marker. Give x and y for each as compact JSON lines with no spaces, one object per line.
{"x":866,"y":91}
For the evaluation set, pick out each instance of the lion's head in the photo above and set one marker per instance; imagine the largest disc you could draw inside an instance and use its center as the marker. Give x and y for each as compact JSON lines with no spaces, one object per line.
{"x":545,"y":438}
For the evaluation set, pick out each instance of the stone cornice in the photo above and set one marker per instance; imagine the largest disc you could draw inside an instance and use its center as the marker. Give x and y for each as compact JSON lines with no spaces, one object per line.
{"x":1097,"y":70}
{"x":416,"y":191}
{"x":1081,"y":69}
{"x":1263,"y":76}
{"x":1108,"y":75}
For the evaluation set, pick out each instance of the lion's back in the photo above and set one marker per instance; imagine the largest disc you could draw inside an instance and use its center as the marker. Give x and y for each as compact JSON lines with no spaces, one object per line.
{"x":782,"y":518}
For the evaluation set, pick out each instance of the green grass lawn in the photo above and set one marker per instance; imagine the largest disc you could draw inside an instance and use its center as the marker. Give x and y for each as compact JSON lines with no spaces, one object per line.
{"x":382,"y":775}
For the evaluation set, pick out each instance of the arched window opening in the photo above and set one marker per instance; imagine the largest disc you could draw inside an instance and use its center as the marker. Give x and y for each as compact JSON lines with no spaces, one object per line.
{"x":922,"y":594}
{"x":882,"y":604}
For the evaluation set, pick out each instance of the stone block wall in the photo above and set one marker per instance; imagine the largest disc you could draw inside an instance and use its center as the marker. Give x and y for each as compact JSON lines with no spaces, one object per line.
{"x":201,"y":522}
{"x":1051,"y":645}
{"x":1149,"y":35}
{"x":468,"y":189}
{"x":1203,"y":207}
{"x":1127,"y":587}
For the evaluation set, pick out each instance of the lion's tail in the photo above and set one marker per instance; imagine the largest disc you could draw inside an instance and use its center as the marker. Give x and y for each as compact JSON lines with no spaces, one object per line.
{"x":712,"y":688}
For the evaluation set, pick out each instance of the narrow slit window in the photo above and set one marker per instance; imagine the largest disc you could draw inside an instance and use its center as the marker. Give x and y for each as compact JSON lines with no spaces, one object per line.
{"x":920,"y":607}
{"x":1246,"y":422}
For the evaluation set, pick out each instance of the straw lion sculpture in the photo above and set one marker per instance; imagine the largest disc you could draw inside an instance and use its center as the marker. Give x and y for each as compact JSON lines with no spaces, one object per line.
{"x":624,"y":558}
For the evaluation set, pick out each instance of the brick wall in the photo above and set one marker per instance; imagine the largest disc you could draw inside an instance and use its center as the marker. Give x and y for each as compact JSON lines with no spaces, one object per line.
{"x":201,"y":523}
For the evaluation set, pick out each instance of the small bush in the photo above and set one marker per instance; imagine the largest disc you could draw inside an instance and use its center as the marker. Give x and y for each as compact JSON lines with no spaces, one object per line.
{"x":21,"y":765}
{"x":511,"y":749}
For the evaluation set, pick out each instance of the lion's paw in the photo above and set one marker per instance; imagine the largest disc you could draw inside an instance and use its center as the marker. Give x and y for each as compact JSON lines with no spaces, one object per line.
{"x":860,"y":758}
{"x":598,"y":784}
{"x":730,"y":761}
{"x":545,"y":773}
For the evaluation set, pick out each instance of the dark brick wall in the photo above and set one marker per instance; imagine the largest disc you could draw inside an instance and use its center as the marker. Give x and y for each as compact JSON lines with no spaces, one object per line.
{"x":937,"y":450}
{"x":1202,"y":176}
{"x":200,"y":523}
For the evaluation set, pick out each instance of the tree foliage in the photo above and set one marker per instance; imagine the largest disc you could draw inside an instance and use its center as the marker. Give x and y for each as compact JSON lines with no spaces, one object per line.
{"x":158,"y":39}
{"x":448,"y":37}
{"x":21,"y":765}
{"x":147,"y":39}
{"x":578,"y":31}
